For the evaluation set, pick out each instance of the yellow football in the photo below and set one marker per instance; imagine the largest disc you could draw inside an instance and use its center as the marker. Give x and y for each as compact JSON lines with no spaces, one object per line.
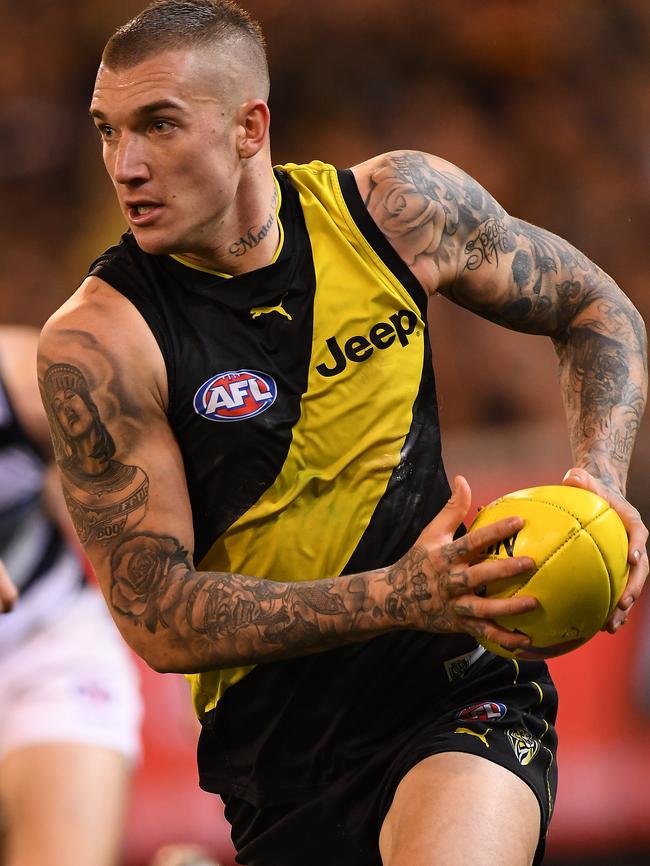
{"x":579,"y":546}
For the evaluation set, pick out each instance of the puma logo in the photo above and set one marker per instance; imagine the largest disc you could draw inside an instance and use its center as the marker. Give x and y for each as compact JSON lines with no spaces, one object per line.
{"x":482,"y":737}
{"x":256,"y":312}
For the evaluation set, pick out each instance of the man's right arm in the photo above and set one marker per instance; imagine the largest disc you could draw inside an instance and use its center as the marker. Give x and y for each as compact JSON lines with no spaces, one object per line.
{"x":124,"y":484}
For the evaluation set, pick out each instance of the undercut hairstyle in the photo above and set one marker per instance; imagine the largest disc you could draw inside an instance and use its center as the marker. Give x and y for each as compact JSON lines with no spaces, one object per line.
{"x":167,"y":25}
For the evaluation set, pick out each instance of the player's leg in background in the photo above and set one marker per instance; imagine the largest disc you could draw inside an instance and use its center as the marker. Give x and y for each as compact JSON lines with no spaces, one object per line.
{"x":182,"y":855}
{"x":69,"y":737}
{"x":63,"y":805}
{"x":453,"y":809}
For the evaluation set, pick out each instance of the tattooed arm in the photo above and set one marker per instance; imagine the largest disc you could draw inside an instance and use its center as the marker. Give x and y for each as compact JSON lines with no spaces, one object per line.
{"x":103,"y":384}
{"x":460,"y":242}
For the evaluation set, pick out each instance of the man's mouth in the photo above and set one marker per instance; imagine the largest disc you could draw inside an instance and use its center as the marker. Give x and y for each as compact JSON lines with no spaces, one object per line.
{"x":143,"y":213}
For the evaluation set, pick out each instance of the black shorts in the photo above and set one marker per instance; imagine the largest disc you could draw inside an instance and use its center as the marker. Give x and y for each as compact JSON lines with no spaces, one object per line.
{"x":499,"y":709}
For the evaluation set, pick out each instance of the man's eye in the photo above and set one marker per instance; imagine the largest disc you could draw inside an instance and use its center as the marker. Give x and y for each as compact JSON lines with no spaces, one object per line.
{"x":161,"y":126}
{"x":105,"y":131}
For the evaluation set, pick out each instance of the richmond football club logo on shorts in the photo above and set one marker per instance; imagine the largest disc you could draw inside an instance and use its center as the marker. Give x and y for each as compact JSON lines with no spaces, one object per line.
{"x":235,"y":395}
{"x":524,"y":745}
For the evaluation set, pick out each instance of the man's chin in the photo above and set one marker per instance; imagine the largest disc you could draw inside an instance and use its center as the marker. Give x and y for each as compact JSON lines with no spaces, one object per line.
{"x":155,"y":246}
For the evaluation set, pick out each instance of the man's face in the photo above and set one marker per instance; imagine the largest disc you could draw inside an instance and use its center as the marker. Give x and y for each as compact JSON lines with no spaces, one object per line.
{"x":169,"y":146}
{"x":73,"y":414}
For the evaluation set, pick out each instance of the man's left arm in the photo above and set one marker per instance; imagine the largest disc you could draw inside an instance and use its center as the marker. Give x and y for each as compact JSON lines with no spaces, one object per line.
{"x":546,"y":286}
{"x":460,"y":242}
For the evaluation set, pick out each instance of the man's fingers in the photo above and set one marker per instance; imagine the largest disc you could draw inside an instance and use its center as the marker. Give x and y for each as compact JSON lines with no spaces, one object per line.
{"x":497,"y":569}
{"x":638,"y":559}
{"x":577,"y":477}
{"x":478,"y":540}
{"x":637,"y":532}
{"x":489,"y":608}
{"x":474,"y":576}
{"x":489,"y":630}
{"x":637,"y":536}
{"x":635,"y":582}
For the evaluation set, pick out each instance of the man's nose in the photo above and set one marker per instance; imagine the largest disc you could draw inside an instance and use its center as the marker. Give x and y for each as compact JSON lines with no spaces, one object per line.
{"x":130,"y":164}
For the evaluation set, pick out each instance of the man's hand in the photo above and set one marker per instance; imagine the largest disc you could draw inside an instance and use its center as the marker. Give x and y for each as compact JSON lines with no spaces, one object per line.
{"x":8,"y":592}
{"x":443,"y":576}
{"x":638,"y":537}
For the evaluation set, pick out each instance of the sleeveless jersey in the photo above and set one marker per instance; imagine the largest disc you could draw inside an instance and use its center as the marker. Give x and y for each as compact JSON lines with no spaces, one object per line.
{"x":303,"y":401}
{"x":38,"y":559}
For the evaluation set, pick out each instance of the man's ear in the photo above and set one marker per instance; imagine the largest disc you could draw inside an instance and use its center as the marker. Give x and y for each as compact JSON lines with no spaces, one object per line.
{"x":254,"y":120}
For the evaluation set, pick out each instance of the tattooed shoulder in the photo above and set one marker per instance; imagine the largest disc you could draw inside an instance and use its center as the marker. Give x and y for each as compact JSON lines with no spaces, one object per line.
{"x":426,"y":207}
{"x":104,"y":495}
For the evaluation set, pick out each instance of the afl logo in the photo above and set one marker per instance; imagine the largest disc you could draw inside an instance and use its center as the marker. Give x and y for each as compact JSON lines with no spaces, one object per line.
{"x":235,"y":395}
{"x":486,"y":712}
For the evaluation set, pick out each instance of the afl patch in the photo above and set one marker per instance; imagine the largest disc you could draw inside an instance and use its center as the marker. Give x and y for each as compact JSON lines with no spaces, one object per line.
{"x":235,"y":395}
{"x":485,"y":712}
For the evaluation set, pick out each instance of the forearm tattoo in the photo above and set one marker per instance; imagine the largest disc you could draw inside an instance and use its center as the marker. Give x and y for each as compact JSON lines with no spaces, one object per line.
{"x":530,"y":280}
{"x":154,"y":585}
{"x":237,"y":619}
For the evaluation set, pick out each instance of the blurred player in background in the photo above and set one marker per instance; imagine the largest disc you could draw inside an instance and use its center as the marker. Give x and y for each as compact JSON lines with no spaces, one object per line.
{"x":182,"y":855}
{"x":8,"y":591}
{"x":69,"y":697}
{"x":252,"y":376}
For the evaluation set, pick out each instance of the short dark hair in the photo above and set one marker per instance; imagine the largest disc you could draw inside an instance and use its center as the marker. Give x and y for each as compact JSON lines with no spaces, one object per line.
{"x":168,"y":24}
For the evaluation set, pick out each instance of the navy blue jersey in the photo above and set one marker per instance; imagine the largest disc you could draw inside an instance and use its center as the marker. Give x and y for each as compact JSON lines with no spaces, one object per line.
{"x":37,"y":557}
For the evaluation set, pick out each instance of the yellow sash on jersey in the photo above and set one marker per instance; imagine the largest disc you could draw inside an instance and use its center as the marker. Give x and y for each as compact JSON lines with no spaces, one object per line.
{"x":353,"y":421}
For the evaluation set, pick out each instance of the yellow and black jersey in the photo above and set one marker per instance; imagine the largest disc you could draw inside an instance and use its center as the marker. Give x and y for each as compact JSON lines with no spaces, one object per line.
{"x":303,"y":400}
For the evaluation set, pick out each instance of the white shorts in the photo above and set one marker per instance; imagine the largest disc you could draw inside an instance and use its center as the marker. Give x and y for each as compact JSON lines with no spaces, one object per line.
{"x":73,"y":680}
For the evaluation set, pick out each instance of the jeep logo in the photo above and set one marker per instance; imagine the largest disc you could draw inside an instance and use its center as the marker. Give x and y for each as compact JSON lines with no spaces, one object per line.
{"x":382,"y":335}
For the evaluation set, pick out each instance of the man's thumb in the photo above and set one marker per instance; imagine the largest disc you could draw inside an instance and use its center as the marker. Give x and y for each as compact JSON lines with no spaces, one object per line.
{"x":458,"y":504}
{"x":451,"y":515}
